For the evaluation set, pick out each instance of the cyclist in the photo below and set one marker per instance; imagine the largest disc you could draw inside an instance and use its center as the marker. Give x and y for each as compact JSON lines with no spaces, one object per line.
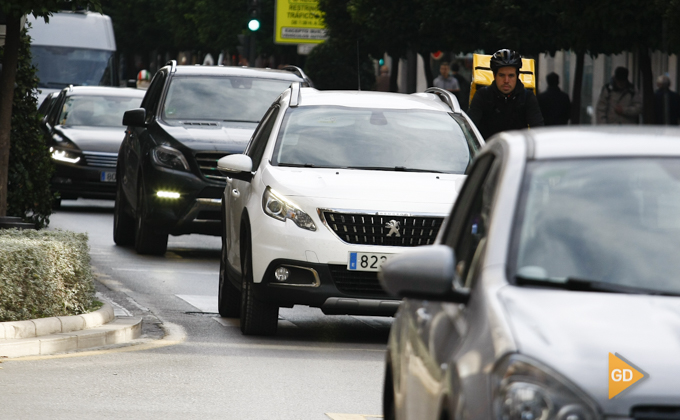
{"x":506,"y":104}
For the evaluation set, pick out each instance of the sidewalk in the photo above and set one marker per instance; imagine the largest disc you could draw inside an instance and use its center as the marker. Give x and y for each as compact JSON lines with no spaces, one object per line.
{"x":67,"y":333}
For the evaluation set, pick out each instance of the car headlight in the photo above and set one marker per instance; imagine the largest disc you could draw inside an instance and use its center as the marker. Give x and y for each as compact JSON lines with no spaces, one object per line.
{"x":65,"y":155}
{"x":280,"y":208}
{"x":169,"y":157}
{"x":526,"y":390}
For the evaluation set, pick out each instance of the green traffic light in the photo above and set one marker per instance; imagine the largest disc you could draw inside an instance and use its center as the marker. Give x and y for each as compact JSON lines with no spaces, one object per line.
{"x":254,"y":25}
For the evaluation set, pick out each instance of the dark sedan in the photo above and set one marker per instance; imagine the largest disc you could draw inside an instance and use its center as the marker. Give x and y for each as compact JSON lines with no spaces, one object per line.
{"x":84,"y":129}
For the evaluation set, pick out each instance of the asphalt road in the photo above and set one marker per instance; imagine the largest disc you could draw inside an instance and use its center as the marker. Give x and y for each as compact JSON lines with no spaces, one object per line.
{"x":190,"y":363}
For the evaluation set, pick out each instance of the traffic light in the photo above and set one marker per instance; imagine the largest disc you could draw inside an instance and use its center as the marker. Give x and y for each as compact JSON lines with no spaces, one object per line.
{"x":253,"y":15}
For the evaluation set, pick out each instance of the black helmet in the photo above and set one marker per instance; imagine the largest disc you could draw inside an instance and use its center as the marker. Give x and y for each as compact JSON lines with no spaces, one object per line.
{"x":505,"y":58}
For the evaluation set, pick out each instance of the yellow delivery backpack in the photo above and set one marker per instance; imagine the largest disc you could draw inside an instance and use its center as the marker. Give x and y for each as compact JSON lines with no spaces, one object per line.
{"x":483,"y":76}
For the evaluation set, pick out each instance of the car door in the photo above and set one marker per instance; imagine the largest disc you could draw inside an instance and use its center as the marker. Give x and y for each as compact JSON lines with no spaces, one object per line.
{"x":439,"y":327}
{"x":238,"y":192}
{"x":132,"y":147}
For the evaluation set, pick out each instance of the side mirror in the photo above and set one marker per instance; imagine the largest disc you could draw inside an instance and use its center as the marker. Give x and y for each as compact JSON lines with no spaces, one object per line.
{"x":237,"y":166}
{"x":426,"y":272}
{"x":135,"y":117}
{"x":45,"y":125}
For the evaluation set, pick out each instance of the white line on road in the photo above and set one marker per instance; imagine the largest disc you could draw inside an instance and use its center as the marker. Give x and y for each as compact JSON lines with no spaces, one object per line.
{"x":338,"y":416}
{"x":146,"y":270}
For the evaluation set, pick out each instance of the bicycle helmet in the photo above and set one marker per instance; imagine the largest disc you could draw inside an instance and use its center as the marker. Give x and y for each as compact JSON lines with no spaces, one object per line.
{"x":505,"y":58}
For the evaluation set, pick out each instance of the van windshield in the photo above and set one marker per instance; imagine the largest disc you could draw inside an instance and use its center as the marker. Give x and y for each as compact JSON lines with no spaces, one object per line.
{"x":60,"y":67}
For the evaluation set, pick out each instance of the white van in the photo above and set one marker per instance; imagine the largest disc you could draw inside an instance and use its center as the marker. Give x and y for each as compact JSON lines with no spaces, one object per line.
{"x":74,"y":48}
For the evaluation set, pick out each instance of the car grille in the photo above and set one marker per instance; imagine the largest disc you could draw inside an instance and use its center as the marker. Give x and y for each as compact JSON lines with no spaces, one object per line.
{"x":356,"y":282}
{"x":374,"y":229}
{"x":101,"y":159}
{"x":207,"y":161}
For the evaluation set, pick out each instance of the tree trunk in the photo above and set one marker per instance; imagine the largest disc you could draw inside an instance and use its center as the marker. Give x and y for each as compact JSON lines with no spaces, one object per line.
{"x":7,"y":80}
{"x":578,"y":84}
{"x":647,"y":86}
{"x":394,"y":74}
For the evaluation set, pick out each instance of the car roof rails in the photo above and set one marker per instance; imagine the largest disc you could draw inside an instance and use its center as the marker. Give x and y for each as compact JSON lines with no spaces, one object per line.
{"x":294,"y":94}
{"x":297,"y":70}
{"x":447,"y":97}
{"x":172,"y":64}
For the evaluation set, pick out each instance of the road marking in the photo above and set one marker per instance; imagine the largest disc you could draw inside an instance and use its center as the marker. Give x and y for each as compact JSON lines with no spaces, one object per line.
{"x":146,"y":270}
{"x":338,"y":416}
{"x":201,"y":302}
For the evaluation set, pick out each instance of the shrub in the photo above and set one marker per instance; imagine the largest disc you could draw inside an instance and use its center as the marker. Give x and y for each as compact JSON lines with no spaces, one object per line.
{"x":30,"y":167}
{"x":44,"y":274}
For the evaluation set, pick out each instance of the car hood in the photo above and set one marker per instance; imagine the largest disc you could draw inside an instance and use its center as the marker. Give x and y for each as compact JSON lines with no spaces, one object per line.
{"x":214,"y":136}
{"x":367,"y":190}
{"x":574,"y":332}
{"x":95,"y":139}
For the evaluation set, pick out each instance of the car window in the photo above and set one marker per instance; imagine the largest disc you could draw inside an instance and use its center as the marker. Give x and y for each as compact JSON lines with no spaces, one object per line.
{"x":606,"y":220}
{"x":96,"y":111}
{"x":223,"y":98}
{"x":261,"y":136}
{"x":469,"y":220}
{"x":372,"y":138}
{"x":153,"y":94}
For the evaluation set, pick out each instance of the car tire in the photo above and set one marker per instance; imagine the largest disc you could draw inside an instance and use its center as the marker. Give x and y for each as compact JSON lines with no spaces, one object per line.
{"x":257,"y":317}
{"x":147,"y":241}
{"x":123,"y":224}
{"x":229,"y":297}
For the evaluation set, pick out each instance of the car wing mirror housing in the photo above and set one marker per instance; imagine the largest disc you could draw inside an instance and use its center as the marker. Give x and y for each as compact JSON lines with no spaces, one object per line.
{"x":237,"y":166}
{"x":135,"y":117}
{"x":426,"y":272}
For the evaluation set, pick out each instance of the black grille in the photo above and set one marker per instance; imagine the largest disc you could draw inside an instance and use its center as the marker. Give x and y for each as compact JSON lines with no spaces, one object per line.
{"x":208,"y":163}
{"x":656,"y":413}
{"x":101,"y":159}
{"x":208,"y":215}
{"x":373,"y":229}
{"x":356,"y":282}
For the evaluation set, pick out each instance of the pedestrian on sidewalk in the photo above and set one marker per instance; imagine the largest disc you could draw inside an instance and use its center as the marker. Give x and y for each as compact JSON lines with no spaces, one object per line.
{"x":666,"y":103}
{"x":555,"y":104}
{"x":619,"y":102}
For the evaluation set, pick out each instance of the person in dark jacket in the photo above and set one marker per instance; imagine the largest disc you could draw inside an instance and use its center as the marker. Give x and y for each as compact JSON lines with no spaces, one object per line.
{"x":555,"y":104}
{"x":506,"y":104}
{"x":666,"y":103}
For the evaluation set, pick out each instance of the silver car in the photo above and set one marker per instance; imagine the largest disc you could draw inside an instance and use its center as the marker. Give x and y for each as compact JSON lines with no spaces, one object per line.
{"x":553,"y":289}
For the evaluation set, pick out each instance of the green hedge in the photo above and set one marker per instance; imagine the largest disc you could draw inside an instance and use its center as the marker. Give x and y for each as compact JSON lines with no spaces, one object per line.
{"x":43,"y":274}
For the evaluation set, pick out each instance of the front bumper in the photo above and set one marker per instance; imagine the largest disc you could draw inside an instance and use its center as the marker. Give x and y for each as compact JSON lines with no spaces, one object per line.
{"x":330,"y":287}
{"x":72,"y":181}
{"x":196,"y":210}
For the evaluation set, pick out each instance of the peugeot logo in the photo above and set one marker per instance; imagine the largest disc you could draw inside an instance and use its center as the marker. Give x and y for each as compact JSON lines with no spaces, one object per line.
{"x":393,"y":226}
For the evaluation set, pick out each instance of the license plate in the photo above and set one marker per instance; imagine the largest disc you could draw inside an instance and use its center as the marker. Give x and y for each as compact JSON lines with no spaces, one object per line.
{"x":366,"y":261}
{"x":108,"y":177}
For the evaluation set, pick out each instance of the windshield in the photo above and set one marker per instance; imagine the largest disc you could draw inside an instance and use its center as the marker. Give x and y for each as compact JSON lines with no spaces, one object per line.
{"x":96,"y":111}
{"x":59,"y":67}
{"x":389,"y":139}
{"x":602,"y":220}
{"x":240,"y":99}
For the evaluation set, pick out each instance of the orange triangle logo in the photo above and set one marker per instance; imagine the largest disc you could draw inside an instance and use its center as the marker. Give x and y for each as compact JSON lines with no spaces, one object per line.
{"x":621,"y":375}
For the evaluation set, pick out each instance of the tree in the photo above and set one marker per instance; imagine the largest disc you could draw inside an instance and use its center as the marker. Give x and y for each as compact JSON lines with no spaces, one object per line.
{"x":30,"y":165}
{"x":14,"y":10}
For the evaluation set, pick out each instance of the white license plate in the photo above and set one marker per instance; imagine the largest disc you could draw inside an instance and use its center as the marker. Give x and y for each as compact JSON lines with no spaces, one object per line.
{"x":366,"y":261}
{"x":108,"y":177}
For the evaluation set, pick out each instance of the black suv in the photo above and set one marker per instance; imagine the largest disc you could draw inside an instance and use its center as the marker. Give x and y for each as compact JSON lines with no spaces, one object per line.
{"x":191,"y":116}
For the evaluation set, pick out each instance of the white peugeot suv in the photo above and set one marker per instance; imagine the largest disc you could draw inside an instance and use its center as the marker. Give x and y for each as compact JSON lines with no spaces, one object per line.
{"x":332,"y":184}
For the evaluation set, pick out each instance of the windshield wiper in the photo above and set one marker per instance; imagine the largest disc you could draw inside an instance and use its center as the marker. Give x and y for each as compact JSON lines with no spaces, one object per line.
{"x":392,"y":168}
{"x":583,"y":285}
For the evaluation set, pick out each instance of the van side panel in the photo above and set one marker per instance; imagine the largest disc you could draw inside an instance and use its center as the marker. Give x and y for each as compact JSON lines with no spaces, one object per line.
{"x":78,"y":30}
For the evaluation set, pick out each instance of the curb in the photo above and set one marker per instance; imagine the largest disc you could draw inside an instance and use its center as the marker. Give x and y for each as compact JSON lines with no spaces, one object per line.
{"x":67,"y":333}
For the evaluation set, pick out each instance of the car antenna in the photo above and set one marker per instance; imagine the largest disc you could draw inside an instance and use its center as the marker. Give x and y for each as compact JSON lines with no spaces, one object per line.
{"x":358,"y":66}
